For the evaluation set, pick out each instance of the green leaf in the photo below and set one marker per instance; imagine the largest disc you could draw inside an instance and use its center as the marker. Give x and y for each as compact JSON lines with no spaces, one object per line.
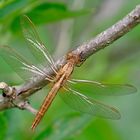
{"x":53,"y":12}
{"x":64,"y":127}
{"x":12,"y":7}
{"x":3,"y":126}
{"x":99,"y":129}
{"x":49,"y":12}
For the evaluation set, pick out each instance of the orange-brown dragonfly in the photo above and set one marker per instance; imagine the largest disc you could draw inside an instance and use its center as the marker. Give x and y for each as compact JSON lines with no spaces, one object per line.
{"x":77,"y":92}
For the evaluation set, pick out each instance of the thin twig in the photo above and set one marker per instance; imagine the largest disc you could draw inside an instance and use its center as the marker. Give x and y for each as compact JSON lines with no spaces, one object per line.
{"x":88,"y":48}
{"x":26,"y":105}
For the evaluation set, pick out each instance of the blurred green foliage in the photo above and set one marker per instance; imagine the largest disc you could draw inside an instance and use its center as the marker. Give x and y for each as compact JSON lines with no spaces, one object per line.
{"x":70,"y":23}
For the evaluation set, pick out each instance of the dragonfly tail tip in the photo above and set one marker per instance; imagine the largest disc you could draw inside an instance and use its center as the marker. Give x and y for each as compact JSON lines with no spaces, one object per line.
{"x":33,"y":127}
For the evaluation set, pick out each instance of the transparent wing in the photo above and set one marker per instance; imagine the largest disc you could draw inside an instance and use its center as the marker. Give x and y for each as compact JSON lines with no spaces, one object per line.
{"x":36,"y":46}
{"x":92,"y":88}
{"x":36,"y":49}
{"x":24,"y":68}
{"x":88,"y":105}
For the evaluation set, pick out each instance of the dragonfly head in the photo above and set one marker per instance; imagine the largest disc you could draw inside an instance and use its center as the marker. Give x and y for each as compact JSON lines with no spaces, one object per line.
{"x":74,"y":58}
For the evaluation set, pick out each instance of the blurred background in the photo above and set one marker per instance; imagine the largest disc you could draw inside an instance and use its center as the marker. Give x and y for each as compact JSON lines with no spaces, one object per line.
{"x":63,"y":25}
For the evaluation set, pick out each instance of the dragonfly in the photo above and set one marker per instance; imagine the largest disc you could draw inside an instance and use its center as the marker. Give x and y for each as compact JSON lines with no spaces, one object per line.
{"x":77,"y":93}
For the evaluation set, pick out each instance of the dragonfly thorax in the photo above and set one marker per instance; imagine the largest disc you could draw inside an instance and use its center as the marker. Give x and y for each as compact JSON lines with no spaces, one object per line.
{"x":65,"y":71}
{"x":73,"y":58}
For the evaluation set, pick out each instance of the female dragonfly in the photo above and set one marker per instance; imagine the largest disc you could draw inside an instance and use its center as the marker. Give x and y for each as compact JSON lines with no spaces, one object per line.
{"x":77,"y":92}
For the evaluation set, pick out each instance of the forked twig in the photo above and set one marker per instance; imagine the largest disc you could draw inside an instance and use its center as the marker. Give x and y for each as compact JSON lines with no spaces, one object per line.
{"x":88,"y":48}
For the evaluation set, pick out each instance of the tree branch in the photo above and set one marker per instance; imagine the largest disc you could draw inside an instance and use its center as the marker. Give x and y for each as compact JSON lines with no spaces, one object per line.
{"x":85,"y":50}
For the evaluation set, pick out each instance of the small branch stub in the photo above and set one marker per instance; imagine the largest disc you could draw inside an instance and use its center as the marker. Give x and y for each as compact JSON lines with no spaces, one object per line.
{"x":6,"y":90}
{"x":26,"y":105}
